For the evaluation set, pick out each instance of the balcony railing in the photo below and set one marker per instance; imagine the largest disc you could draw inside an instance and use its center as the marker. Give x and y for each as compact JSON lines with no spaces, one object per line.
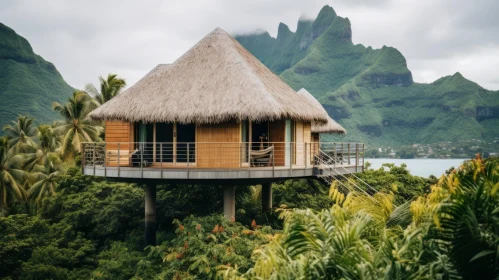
{"x":199,"y":155}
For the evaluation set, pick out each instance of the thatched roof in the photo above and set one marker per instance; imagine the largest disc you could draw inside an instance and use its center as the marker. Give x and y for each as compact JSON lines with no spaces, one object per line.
{"x":216,"y":80}
{"x":331,"y":126}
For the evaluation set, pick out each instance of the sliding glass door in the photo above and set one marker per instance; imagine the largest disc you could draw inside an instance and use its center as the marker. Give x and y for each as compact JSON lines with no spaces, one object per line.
{"x":164,"y":142}
{"x":290,"y":139}
{"x":185,"y":140}
{"x":145,"y":146}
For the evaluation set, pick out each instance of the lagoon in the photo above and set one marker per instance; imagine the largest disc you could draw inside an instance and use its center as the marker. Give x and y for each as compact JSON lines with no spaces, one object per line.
{"x":419,"y":167}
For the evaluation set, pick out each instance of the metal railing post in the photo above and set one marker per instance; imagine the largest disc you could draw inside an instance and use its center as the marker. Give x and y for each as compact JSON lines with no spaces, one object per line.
{"x":273,"y":160}
{"x":188,"y":159}
{"x":161,"y":159}
{"x":83,"y":160}
{"x":118,"y":160}
{"x":342,"y":154}
{"x":93,"y":157}
{"x":142,"y":161}
{"x":249,"y":159}
{"x":356,"y":154}
{"x":306,"y":156}
{"x":349,"y":153}
{"x":105,"y":163}
{"x":310,"y":162}
{"x":363,"y":156}
{"x":335,"y":159}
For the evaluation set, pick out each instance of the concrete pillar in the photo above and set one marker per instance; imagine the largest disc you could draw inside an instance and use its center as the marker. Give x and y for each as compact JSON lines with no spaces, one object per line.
{"x":150,"y":215}
{"x":230,"y":202}
{"x":267,"y":197}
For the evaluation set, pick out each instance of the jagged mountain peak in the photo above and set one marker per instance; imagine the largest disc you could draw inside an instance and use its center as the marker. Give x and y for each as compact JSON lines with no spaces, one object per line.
{"x":451,"y":78}
{"x":371,"y":91}
{"x":457,"y":83}
{"x":326,"y":11}
{"x":283,"y":32}
{"x":303,"y":25}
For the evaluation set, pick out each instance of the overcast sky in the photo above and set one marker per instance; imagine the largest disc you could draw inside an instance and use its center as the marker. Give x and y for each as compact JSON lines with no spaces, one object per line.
{"x":86,"y":39}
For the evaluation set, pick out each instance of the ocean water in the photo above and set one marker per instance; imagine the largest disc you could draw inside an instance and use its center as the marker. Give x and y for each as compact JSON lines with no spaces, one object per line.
{"x":419,"y":167}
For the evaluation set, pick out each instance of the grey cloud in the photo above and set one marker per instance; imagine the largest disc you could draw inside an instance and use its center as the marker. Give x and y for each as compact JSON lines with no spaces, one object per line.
{"x":86,"y":39}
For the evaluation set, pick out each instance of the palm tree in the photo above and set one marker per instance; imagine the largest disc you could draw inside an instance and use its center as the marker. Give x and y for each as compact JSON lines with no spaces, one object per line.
{"x":468,"y":224}
{"x":12,"y":176}
{"x":109,"y":88}
{"x":355,"y":239}
{"x":45,"y":180}
{"x":20,"y":133}
{"x":47,"y":140}
{"x":47,"y":143}
{"x":75,"y":127}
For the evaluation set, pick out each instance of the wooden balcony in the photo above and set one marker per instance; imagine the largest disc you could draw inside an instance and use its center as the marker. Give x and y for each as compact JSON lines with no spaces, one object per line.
{"x":186,"y":162}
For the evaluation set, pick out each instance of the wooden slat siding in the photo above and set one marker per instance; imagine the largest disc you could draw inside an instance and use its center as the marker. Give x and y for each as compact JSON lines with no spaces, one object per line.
{"x":277,"y":134}
{"x":299,"y":149}
{"x":307,"y":138}
{"x":117,"y":131}
{"x":315,"y":143}
{"x":218,"y":145}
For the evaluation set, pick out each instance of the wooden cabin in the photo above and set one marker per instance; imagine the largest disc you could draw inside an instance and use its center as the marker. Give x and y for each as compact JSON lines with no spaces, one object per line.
{"x":329,"y":127}
{"x":216,"y":107}
{"x":224,"y":145}
{"x":216,"y":114}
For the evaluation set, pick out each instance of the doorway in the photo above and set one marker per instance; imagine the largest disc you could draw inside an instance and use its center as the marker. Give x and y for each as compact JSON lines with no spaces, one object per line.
{"x":278,"y":138}
{"x":164,"y":142}
{"x":259,"y":135}
{"x":144,"y":143}
{"x":186,"y":142}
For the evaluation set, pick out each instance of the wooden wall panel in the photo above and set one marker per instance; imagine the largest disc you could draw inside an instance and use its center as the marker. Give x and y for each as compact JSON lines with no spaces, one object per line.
{"x":315,"y":143}
{"x":277,"y":134}
{"x":307,"y":134}
{"x":218,"y":145}
{"x":300,"y":146}
{"x":117,"y":131}
{"x":307,"y":138}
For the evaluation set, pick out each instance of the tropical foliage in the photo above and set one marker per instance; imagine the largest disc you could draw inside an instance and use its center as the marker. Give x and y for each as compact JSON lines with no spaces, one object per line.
{"x":33,"y":158}
{"x":203,"y":245}
{"x":451,"y":233}
{"x":12,"y":177}
{"x":75,"y":127}
{"x":20,"y":134}
{"x":384,"y":223}
{"x":109,"y":88}
{"x":93,"y":229}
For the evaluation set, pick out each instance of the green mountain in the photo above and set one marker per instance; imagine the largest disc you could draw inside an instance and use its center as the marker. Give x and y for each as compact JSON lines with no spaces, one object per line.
{"x":371,"y":91}
{"x":28,"y":83}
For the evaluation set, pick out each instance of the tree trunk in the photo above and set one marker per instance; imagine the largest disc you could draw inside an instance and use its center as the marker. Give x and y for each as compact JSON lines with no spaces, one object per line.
{"x":230,"y":203}
{"x":266,"y":197}
{"x":150,"y":215}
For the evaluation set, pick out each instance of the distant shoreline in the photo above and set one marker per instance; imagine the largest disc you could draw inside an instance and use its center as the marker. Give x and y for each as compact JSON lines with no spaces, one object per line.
{"x":421,"y":158}
{"x":423,"y":167}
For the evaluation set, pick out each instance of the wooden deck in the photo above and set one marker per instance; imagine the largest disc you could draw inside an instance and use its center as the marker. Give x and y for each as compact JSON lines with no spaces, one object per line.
{"x":299,"y":160}
{"x":186,"y":174}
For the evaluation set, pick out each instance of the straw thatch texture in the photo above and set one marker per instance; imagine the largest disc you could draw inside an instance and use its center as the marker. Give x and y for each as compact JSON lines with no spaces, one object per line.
{"x":331,"y":126}
{"x":216,"y":80}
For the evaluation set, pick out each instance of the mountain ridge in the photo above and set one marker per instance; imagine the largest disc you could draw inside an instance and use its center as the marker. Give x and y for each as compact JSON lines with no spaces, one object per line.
{"x":28,"y":83}
{"x":371,"y":92}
